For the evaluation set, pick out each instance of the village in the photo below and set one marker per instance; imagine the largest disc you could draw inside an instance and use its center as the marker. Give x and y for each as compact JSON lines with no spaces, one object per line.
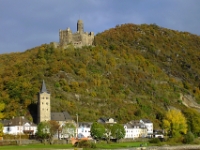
{"x":134,"y":129}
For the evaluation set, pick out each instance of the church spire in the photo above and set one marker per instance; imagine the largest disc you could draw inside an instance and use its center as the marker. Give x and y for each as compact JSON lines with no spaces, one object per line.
{"x":43,"y":89}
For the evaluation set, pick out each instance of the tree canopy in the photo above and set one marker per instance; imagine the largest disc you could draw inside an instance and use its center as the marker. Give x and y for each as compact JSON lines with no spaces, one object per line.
{"x":117,"y":131}
{"x":68,"y":130}
{"x":97,"y":131}
{"x":175,"y":123}
{"x":43,"y":130}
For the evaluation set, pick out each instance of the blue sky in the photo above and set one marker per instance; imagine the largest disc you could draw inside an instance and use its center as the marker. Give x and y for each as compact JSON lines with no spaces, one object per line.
{"x":25,"y":24}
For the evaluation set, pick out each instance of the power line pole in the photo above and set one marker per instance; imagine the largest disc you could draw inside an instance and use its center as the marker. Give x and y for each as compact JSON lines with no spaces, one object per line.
{"x":76,"y":125}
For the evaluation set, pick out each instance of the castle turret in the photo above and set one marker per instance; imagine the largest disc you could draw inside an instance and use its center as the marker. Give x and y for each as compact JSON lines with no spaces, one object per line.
{"x":80,"y":26}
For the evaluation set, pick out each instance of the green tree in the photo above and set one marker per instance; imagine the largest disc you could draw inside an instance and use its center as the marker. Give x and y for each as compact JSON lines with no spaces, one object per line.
{"x":54,"y":128}
{"x":175,"y":123}
{"x":117,"y":131}
{"x":68,"y":130}
{"x":97,"y":131}
{"x":108,"y":133}
{"x":43,"y":130}
{"x":188,"y":138}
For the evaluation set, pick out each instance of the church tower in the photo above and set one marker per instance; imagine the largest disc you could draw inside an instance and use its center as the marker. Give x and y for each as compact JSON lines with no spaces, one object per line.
{"x":44,"y":104}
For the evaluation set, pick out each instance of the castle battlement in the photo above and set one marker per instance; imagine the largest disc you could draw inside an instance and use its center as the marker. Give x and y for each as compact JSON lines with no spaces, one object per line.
{"x":78,"y":39}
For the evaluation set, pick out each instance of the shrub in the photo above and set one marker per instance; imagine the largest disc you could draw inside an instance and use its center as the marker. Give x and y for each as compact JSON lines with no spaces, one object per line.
{"x":85,"y":144}
{"x":154,"y":140}
{"x":188,"y":138}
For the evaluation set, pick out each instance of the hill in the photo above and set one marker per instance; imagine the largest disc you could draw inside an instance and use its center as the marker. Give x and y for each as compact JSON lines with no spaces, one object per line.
{"x":133,"y":72}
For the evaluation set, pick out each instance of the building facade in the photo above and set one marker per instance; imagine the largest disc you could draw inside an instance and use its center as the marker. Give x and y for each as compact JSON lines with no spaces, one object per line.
{"x":135,"y":129}
{"x":149,"y":126}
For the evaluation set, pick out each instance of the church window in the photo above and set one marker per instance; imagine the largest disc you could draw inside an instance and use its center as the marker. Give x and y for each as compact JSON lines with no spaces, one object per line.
{"x":47,"y":103}
{"x":47,"y":98}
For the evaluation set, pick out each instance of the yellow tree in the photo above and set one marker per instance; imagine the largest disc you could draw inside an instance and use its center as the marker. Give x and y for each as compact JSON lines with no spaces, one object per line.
{"x":175,"y":123}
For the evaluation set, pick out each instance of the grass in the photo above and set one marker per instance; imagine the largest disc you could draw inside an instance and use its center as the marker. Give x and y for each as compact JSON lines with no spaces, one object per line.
{"x":100,"y":145}
{"x":37,"y":147}
{"x":119,"y":145}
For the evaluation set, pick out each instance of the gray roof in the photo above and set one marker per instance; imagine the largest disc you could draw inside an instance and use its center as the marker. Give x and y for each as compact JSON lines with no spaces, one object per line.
{"x":43,"y":89}
{"x":17,"y":121}
{"x":103,"y":120}
{"x":60,"y":116}
{"x":146,"y":120}
{"x":135,"y":123}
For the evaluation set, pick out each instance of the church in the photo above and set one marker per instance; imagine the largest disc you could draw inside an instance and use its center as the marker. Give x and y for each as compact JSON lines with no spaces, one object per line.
{"x":44,"y":108}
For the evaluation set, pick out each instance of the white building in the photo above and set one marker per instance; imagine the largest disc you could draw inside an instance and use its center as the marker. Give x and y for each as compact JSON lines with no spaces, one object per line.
{"x":84,"y":129}
{"x":135,"y":129}
{"x":149,"y":126}
{"x":19,"y":126}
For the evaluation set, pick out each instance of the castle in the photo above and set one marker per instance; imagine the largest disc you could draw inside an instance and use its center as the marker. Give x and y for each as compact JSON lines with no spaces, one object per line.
{"x":77,"y":39}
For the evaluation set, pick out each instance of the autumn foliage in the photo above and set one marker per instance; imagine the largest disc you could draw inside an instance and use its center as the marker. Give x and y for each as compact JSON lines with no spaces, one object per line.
{"x":132,"y":72}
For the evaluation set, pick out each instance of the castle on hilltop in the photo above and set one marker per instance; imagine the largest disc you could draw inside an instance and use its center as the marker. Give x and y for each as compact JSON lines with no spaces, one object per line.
{"x":77,"y":39}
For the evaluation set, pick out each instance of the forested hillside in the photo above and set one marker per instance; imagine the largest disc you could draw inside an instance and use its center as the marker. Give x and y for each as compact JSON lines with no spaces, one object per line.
{"x":132,"y":72}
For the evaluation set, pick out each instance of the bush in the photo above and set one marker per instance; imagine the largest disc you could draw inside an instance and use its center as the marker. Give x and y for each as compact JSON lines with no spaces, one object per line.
{"x":154,"y":140}
{"x":85,"y":144}
{"x":188,"y":138}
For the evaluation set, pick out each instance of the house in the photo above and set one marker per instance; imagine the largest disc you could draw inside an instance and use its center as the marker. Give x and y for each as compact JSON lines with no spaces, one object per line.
{"x":135,"y":129}
{"x":149,"y":126}
{"x":106,"y":120}
{"x":62,"y":118}
{"x":84,"y":129}
{"x":19,"y":126}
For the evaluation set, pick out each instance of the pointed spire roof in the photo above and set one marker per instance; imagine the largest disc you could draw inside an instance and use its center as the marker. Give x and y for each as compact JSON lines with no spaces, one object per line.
{"x":43,"y":89}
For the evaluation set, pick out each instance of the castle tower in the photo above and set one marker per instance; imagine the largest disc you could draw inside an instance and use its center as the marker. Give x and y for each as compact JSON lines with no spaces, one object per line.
{"x":44,"y":104}
{"x":80,"y":28}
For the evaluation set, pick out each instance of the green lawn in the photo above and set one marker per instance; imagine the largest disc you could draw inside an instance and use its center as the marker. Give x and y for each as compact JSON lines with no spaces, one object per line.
{"x":120,"y":145}
{"x":69,"y":146}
